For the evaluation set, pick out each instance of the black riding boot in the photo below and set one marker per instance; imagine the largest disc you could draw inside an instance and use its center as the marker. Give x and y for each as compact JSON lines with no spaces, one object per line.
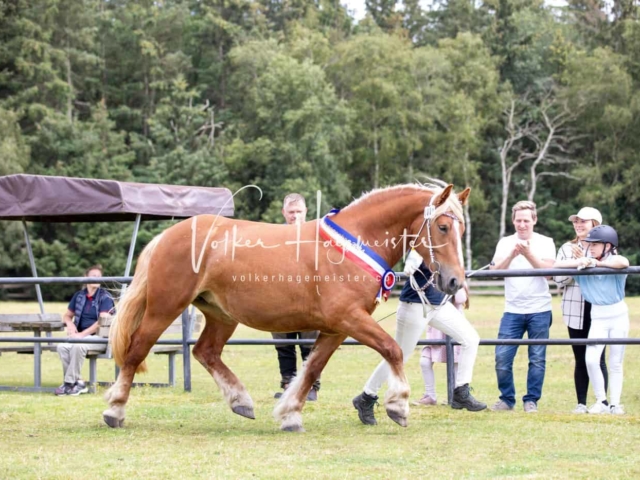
{"x":364,"y":404}
{"x":462,"y":398}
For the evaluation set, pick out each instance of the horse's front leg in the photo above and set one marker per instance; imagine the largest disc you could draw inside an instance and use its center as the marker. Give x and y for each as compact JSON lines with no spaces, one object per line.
{"x":365,"y":330}
{"x":288,"y":410}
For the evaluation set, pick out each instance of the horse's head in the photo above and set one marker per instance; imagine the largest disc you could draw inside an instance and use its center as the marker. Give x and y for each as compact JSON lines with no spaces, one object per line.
{"x":439,"y":238}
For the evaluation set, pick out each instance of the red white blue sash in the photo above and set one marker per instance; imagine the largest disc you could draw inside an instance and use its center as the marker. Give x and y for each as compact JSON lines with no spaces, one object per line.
{"x":360,"y":254}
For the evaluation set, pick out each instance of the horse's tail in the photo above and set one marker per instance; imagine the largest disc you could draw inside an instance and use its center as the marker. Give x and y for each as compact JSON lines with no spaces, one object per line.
{"x":130,"y":309}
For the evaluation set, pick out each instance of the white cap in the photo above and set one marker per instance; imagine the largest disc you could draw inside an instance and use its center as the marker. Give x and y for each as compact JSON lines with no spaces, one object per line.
{"x":587,"y":213}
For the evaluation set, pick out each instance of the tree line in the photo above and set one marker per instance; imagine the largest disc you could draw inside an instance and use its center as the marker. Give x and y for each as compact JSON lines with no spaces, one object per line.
{"x":517,"y":99}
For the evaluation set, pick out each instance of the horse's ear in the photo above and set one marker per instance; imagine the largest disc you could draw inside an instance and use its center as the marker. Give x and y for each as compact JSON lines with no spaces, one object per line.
{"x":442,"y":196}
{"x":464,"y":195}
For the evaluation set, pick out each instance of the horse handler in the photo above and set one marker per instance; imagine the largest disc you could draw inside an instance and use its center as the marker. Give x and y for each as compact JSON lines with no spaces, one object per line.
{"x":411,"y":323}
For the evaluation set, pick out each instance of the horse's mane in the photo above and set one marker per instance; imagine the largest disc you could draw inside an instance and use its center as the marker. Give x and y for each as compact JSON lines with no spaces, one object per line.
{"x":433,"y":185}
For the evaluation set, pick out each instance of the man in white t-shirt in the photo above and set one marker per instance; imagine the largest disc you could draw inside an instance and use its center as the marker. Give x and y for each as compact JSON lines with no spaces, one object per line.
{"x":527,"y":305}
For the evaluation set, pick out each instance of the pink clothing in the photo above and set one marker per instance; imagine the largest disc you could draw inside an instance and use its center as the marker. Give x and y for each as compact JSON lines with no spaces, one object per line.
{"x":438,"y":353}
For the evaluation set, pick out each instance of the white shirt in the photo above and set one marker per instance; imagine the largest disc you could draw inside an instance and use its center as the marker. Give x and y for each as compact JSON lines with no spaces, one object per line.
{"x":526,"y":294}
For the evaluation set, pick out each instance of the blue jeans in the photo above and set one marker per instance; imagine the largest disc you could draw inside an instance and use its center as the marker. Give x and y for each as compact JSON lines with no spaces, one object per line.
{"x":513,"y":325}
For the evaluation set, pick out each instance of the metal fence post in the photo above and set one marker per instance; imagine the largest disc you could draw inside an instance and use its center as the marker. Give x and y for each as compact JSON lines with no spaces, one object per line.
{"x":451,"y":371}
{"x":186,"y":350}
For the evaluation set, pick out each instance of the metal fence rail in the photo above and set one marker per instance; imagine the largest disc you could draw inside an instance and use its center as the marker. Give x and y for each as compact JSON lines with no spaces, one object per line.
{"x":283,"y":342}
{"x":546,"y":272}
{"x":188,"y":342}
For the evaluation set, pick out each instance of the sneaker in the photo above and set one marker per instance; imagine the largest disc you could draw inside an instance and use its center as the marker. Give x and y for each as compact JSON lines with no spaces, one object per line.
{"x":426,"y":400}
{"x":77,"y":390}
{"x":63,"y":389}
{"x":364,"y":404}
{"x":530,"y":407}
{"x":82,"y":387}
{"x":581,"y":408}
{"x":312,"y":396}
{"x":462,"y":398}
{"x":501,"y":406}
{"x":617,"y":410}
{"x":598,"y":408}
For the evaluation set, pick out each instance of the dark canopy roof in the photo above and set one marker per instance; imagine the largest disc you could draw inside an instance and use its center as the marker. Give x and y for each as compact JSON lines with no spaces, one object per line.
{"x":63,"y":199}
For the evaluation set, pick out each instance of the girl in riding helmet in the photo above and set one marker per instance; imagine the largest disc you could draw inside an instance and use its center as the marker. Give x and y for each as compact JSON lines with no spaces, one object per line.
{"x":576,"y":311}
{"x":609,"y":312}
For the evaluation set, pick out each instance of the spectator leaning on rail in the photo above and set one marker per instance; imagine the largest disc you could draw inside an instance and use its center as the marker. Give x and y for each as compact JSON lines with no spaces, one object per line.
{"x":81,"y":320}
{"x":576,"y":311}
{"x":294,"y":210}
{"x":527,"y":306}
{"x":609,"y":313}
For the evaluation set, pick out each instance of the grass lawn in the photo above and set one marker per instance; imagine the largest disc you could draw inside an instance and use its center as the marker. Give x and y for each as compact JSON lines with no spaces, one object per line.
{"x":172,"y":434}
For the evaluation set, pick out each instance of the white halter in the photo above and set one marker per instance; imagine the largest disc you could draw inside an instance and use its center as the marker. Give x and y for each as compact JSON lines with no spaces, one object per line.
{"x":434,"y":265}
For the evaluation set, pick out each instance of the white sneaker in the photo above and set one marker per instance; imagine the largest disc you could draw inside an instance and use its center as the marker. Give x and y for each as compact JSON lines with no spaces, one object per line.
{"x":581,"y":408}
{"x":598,"y":408}
{"x":617,"y":410}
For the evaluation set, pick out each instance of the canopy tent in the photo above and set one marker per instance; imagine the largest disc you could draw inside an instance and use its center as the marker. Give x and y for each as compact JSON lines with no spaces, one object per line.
{"x":62,"y":199}
{"x":43,"y":198}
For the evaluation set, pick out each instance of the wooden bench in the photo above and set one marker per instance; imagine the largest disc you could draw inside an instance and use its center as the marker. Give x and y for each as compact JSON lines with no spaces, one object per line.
{"x":36,"y":323}
{"x":28,"y":322}
{"x":104,"y":351}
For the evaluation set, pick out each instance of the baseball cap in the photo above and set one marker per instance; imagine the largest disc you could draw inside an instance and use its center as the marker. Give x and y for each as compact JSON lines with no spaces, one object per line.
{"x":587,"y":213}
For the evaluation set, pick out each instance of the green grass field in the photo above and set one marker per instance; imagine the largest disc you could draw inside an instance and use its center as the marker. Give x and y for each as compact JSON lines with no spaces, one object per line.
{"x":172,"y":434}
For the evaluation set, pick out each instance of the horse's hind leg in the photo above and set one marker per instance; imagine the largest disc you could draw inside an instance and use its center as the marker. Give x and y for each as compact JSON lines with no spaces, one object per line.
{"x":141,"y":342}
{"x":208,"y":350}
{"x":289,"y":409}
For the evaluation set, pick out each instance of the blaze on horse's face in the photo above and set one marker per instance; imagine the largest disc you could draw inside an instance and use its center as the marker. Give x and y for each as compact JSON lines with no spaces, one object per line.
{"x":446,"y":238}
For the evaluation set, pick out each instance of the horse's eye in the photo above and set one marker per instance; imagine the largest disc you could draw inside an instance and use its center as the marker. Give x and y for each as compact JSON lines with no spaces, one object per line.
{"x":443,"y":228}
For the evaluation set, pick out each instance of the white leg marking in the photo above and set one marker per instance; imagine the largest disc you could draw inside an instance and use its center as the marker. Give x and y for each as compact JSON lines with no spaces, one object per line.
{"x":233,"y":395}
{"x":287,"y":410}
{"x":397,"y":398}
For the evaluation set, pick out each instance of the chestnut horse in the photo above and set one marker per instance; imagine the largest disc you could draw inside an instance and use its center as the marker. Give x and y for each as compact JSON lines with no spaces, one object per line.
{"x":284,"y":278}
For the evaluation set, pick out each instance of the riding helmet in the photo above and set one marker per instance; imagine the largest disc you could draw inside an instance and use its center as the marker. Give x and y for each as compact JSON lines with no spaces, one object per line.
{"x":603,"y":234}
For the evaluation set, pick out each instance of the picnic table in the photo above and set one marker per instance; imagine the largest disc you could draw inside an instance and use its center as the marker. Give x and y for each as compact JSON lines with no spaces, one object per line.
{"x":30,"y":322}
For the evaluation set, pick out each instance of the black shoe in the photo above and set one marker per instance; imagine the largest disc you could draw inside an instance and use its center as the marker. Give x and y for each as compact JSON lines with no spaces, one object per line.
{"x":312,"y":396}
{"x":462,"y":398}
{"x":364,"y":404}
{"x":284,"y":387}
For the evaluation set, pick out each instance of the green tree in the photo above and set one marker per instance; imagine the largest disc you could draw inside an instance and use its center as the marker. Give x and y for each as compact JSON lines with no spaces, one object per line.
{"x":183,"y":139}
{"x":289,"y":125}
{"x":372,"y":72}
{"x":14,"y":152}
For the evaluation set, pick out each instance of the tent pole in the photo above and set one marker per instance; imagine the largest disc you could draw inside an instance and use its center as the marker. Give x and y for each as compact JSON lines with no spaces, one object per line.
{"x":32,"y":261}
{"x":132,"y":247}
{"x":37,"y":348}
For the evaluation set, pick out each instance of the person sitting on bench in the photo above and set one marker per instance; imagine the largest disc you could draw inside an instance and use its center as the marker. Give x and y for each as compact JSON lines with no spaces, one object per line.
{"x":81,"y":321}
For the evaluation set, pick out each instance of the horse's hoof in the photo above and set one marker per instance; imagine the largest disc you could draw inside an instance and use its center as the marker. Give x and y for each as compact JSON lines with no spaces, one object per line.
{"x":293,"y":428}
{"x":113,"y":422}
{"x":399,"y":419}
{"x":244,"y":411}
